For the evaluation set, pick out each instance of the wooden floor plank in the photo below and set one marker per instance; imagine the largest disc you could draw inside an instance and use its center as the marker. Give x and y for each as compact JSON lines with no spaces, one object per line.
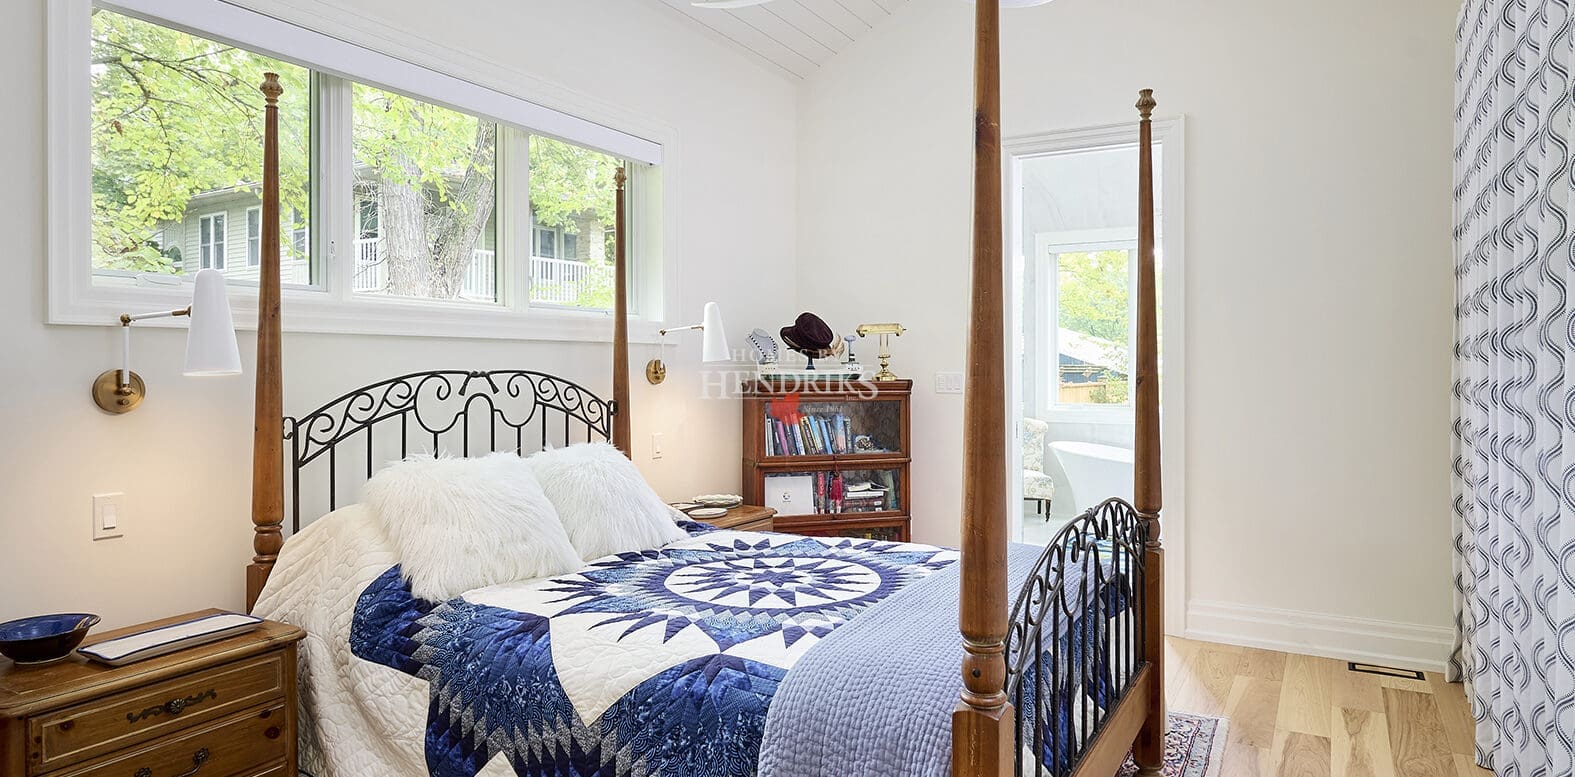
{"x":1215,"y":672}
{"x":1466,"y":766}
{"x":1455,"y":713}
{"x":1416,"y":735}
{"x":1360,"y":745}
{"x":1263,"y":664}
{"x":1305,"y":695}
{"x":1356,"y":691}
{"x":1301,"y":755}
{"x":1253,"y":708}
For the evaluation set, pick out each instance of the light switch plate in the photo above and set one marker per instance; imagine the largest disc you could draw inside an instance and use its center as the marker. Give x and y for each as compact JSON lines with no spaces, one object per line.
{"x":109,"y":515}
{"x":948,"y":383}
{"x":656,"y":445}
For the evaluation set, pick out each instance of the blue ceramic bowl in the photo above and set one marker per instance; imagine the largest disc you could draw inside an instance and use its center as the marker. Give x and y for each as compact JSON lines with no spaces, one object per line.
{"x":44,"y":638}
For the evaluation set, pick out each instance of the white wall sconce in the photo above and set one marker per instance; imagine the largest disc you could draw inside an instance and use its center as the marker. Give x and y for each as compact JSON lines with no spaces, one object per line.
{"x":713,"y":343}
{"x":210,"y":345}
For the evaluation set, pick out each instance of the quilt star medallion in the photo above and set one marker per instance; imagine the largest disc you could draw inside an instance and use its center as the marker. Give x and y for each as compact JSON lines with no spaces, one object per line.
{"x":648,"y":663}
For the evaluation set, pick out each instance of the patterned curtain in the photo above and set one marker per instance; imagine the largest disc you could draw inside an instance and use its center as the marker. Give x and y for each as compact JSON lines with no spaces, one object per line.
{"x":1515,"y":382}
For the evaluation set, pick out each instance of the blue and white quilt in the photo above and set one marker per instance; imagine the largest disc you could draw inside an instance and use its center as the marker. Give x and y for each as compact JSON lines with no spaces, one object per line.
{"x":693,"y":660}
{"x":662,"y":662}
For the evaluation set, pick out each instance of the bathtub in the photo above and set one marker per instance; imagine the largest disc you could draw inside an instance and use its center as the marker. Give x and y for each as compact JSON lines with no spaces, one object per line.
{"x":1095,"y":472}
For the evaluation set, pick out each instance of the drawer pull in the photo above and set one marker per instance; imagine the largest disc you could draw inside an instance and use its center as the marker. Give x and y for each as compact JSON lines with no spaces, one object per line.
{"x":174,"y":706}
{"x":197,"y":760}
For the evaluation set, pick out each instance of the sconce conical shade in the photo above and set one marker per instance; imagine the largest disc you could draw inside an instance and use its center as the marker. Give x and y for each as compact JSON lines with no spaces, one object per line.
{"x":713,"y":346}
{"x":210,"y":343}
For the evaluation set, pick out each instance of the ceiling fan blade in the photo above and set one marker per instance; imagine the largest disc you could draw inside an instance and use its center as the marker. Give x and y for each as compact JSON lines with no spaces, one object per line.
{"x":724,"y":4}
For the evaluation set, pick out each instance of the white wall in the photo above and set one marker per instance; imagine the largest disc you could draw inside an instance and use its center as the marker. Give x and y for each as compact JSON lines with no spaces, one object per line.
{"x":1318,"y":276}
{"x":183,"y":458}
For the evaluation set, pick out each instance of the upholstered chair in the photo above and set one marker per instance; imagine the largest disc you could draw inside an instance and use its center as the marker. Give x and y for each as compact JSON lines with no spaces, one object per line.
{"x":1037,"y":485}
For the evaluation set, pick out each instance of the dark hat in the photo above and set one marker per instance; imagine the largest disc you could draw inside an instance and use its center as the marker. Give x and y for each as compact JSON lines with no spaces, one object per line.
{"x":808,"y":334}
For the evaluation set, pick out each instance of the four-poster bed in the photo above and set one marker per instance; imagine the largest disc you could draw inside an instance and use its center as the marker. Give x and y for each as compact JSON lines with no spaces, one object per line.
{"x":1059,"y":677}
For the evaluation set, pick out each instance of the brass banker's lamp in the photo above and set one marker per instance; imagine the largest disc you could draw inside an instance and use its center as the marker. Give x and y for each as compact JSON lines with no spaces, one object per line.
{"x":885,"y":331}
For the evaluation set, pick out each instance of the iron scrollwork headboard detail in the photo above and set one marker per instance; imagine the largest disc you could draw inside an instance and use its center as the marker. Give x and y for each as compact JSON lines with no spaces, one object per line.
{"x":443,"y":411}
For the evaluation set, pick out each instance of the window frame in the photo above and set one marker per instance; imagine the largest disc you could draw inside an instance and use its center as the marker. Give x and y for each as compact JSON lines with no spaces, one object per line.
{"x":254,"y":257}
{"x":329,"y":303}
{"x":1048,"y":248}
{"x":218,"y":238}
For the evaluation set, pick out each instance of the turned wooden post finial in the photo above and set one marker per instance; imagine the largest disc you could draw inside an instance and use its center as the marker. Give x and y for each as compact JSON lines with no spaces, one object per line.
{"x":619,"y":177}
{"x":1146,"y":103}
{"x":271,"y":88}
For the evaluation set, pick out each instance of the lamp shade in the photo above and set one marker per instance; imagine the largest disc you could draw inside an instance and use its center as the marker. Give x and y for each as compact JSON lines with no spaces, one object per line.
{"x":713,"y":346}
{"x":210,"y":343}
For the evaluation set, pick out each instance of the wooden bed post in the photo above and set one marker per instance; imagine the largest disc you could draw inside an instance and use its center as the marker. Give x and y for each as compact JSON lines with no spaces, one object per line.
{"x":620,"y":391}
{"x":1149,"y":751}
{"x":268,"y":423}
{"x":982,"y":724}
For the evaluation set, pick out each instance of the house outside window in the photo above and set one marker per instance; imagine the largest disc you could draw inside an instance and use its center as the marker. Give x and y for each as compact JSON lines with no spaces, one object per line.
{"x":210,"y":241}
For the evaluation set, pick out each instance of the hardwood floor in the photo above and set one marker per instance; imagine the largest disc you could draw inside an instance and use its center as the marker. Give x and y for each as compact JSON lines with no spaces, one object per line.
{"x":1299,"y":716}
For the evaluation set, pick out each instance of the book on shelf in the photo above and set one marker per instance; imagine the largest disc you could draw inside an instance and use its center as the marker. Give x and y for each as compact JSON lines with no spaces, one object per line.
{"x":808,"y":434}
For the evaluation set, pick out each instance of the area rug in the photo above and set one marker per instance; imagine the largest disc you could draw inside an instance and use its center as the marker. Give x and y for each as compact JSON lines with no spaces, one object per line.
{"x":1194,"y":747}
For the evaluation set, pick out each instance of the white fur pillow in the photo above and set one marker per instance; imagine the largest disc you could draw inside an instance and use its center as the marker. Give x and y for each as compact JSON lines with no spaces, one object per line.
{"x":602,"y":500}
{"x":461,"y":524}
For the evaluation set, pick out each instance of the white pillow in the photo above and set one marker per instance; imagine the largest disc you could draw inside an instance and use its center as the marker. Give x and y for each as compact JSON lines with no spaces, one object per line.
{"x":602,"y":500}
{"x":461,"y":524}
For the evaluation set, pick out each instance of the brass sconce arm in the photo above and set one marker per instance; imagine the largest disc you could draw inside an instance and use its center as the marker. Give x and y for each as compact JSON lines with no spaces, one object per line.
{"x":126,"y":320}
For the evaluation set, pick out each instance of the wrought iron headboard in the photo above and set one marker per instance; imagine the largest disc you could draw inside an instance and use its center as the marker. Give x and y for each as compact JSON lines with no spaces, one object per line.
{"x":439,"y":407}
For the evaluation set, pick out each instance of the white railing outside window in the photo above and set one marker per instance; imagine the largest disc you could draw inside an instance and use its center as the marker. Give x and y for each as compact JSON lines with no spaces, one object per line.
{"x":371,"y":273}
{"x":556,"y":281}
{"x":553,"y":281}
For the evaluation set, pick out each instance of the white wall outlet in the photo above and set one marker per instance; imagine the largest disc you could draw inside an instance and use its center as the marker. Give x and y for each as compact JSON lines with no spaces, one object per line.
{"x":109,"y":515}
{"x":948,"y":383}
{"x":656,"y":445}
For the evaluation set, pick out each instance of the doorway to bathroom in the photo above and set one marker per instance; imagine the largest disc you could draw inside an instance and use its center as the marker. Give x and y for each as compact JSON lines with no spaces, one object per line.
{"x":1073,"y":248}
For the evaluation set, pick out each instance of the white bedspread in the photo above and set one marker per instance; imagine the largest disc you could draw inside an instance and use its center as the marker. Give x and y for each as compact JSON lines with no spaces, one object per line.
{"x":357,"y":717}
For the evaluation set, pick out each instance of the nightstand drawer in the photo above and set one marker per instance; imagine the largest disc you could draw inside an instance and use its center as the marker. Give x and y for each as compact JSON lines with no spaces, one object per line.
{"x":94,"y":728}
{"x":250,"y":743}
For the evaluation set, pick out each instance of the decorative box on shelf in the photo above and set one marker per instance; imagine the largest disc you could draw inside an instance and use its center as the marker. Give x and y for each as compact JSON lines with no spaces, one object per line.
{"x":830,"y":456}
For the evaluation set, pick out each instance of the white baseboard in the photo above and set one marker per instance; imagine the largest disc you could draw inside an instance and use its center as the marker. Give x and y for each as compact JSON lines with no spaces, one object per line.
{"x":1403,"y":645}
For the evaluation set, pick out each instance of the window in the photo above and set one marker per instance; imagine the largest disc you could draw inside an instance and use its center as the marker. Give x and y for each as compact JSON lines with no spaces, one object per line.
{"x":546,"y":243}
{"x":434,"y":172}
{"x":210,"y":241}
{"x":391,"y":202}
{"x":1093,"y":332}
{"x":572,"y":198}
{"x":253,"y":237}
{"x":175,"y":130}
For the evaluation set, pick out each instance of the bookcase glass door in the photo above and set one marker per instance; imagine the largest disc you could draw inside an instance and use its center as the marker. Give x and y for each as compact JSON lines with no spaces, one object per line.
{"x":835,"y":493}
{"x":833,"y":428}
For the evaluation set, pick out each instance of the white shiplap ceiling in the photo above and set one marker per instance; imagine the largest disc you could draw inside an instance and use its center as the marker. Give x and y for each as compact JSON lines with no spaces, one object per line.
{"x":795,"y":36}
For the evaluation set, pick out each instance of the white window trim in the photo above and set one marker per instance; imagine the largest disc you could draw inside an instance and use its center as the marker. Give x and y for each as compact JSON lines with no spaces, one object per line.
{"x":221,"y":239}
{"x":1047,"y":248}
{"x":328,"y":307}
{"x":1170,"y":132}
{"x":250,"y":262}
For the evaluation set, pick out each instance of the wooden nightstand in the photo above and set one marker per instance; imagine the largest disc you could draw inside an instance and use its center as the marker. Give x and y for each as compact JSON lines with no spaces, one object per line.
{"x":744,"y":518}
{"x":225,"y":709}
